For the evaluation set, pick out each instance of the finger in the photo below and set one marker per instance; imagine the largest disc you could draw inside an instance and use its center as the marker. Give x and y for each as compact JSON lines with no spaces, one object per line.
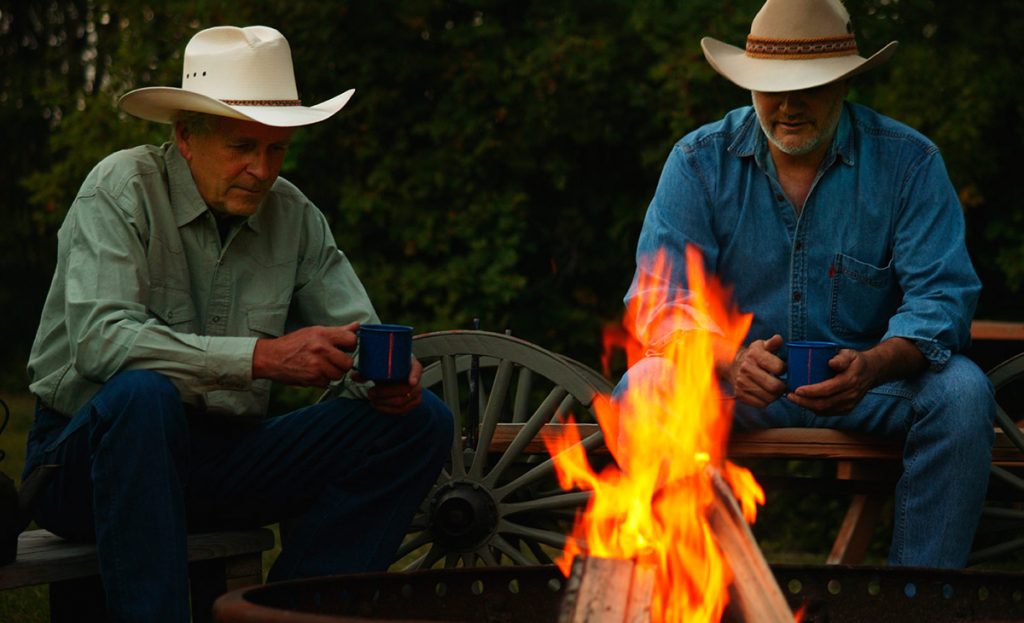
{"x":338,"y":360}
{"x":766,"y":361}
{"x":396,"y":402}
{"x":758,"y":394}
{"x":415,"y":372}
{"x":842,"y":360}
{"x":344,"y":337}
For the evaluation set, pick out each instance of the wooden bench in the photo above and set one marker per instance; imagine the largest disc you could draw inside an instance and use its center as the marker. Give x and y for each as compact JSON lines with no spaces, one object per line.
{"x":218,"y":562}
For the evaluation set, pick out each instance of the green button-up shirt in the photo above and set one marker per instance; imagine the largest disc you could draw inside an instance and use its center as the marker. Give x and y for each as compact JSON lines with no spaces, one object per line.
{"x":143,"y":281}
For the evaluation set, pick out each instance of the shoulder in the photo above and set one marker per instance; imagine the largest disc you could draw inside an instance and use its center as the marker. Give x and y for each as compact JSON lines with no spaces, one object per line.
{"x":287,"y":208}
{"x":116,"y":173}
{"x":736,"y":125}
{"x":873,"y":128}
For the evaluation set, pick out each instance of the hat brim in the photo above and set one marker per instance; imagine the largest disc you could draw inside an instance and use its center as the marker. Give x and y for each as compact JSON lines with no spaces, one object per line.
{"x":162,"y":103}
{"x":769,"y":76}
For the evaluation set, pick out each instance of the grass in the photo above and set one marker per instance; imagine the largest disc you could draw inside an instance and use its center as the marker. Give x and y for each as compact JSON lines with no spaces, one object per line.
{"x":29,"y":604}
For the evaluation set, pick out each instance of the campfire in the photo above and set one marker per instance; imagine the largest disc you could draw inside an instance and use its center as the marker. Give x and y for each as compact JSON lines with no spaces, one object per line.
{"x":664,"y":537}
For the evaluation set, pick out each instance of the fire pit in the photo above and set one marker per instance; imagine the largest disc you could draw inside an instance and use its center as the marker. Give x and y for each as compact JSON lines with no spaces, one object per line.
{"x":528,"y":594}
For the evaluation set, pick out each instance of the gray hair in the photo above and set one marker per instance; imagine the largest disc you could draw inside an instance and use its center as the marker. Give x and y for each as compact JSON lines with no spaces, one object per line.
{"x":197,"y":123}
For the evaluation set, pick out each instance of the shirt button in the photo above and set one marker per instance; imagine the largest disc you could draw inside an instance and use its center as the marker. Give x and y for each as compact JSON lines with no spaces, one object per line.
{"x":799,"y":245}
{"x":216,"y":319}
{"x":779,"y":198}
{"x":796,"y":296}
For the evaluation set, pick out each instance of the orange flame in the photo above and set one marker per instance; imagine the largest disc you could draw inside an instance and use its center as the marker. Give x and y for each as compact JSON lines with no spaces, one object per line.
{"x":663,"y":431}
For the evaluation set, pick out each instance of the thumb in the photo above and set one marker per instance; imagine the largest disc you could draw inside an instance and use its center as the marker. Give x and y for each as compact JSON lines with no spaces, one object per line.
{"x":774,"y":343}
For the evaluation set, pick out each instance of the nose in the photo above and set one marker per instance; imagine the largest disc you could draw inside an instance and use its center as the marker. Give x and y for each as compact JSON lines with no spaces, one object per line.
{"x":791,"y":102}
{"x":260,"y":166}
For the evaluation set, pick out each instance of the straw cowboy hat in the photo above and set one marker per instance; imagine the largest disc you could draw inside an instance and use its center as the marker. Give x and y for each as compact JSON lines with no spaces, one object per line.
{"x":793,"y":45}
{"x":244,"y":73}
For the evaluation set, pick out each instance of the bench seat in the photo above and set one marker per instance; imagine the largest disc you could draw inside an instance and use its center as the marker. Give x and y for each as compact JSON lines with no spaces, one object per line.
{"x":218,"y":562}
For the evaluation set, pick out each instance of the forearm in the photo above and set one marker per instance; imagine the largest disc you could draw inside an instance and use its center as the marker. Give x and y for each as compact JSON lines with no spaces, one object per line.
{"x":893,"y":359}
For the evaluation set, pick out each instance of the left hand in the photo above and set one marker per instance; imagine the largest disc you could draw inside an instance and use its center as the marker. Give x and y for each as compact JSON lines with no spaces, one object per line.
{"x":841,"y":393}
{"x":398,"y":397}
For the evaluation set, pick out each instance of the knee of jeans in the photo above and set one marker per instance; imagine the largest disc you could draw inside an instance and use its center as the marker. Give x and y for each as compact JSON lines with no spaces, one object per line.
{"x":658,"y":370}
{"x":143,"y":393}
{"x":438,"y":422}
{"x":966,"y":391}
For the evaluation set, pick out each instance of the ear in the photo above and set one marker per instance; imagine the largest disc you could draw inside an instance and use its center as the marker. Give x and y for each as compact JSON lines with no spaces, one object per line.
{"x":182,"y":137}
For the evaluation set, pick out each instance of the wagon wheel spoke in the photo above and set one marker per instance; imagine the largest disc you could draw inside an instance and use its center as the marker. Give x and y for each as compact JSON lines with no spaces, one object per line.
{"x":541,"y":556}
{"x":487,"y":556}
{"x":554,"y":502}
{"x":521,"y":406}
{"x":516,"y":556}
{"x":548,"y":537}
{"x":412,"y":544}
{"x":491,"y":414}
{"x":427,"y":560}
{"x":450,"y":391}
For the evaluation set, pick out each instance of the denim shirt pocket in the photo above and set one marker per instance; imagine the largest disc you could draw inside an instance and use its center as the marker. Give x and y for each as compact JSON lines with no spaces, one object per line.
{"x":863,"y":298}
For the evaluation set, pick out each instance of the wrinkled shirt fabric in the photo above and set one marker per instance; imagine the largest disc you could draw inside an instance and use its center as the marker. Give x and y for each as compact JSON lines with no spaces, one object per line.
{"x":877,"y":251}
{"x":144,"y":281}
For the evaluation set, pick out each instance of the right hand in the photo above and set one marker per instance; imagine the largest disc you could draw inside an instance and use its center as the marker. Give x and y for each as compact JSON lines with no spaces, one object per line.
{"x":754,"y":373}
{"x":308,"y":357}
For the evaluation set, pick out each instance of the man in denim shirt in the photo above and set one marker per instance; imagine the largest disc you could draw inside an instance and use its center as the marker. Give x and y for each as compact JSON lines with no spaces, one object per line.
{"x":189,"y":277}
{"x":835,"y":223}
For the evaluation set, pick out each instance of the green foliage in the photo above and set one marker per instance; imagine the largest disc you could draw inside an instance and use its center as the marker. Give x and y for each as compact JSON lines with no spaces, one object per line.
{"x":498,"y":156}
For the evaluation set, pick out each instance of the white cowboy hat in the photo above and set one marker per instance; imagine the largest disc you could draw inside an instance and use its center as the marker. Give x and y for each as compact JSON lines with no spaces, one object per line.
{"x":244,"y":73}
{"x":794,"y":45}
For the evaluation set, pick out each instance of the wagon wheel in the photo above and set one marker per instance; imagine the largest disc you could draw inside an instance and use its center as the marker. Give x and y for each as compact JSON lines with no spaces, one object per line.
{"x":498,"y":503}
{"x":1001,"y":517}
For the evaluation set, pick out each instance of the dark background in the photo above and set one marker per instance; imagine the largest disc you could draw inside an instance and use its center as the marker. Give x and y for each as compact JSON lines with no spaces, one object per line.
{"x":498,"y":156}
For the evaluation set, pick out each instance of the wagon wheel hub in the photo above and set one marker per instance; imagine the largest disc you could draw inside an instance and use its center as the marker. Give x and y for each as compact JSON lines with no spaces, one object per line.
{"x":463,"y":515}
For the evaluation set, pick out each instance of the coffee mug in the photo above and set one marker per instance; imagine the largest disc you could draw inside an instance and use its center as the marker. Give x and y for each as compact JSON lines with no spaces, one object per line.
{"x":807,"y":362}
{"x":384,"y":352}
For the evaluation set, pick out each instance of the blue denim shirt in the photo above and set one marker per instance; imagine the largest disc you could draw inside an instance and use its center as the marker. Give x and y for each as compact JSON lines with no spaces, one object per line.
{"x":877,"y":252}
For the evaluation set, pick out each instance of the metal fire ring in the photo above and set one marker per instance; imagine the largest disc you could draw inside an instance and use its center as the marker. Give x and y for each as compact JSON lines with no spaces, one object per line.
{"x":829,"y":593}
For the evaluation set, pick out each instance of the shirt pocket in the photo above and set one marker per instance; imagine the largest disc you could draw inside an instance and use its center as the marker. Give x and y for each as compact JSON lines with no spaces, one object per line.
{"x":172,"y":308}
{"x":864,"y":297}
{"x":267,"y":321}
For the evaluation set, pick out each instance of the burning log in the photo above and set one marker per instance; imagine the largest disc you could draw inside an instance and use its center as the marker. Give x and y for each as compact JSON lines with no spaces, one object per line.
{"x":754,"y":592}
{"x":608,"y":590}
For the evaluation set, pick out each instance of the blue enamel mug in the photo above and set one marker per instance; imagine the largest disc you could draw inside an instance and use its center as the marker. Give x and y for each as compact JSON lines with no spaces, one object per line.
{"x":807,"y":362}
{"x":385,"y":352}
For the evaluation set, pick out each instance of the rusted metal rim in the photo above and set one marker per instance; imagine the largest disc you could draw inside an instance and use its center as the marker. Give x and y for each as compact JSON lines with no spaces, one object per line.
{"x":833,"y":593}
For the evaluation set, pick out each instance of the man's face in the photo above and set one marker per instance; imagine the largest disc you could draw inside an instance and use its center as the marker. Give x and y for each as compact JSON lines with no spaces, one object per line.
{"x":801,"y":122}
{"x":235,"y":163}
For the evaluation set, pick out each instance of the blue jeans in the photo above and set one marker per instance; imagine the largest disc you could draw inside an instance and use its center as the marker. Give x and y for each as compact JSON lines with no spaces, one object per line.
{"x":139,"y":473}
{"x":945,"y":421}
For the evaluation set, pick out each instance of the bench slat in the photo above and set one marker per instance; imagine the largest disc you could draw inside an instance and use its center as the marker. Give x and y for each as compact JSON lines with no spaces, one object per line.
{"x":43,"y":557}
{"x":793,"y":443}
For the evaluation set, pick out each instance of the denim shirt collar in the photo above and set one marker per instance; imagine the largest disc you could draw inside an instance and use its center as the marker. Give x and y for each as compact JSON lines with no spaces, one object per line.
{"x":751,"y":141}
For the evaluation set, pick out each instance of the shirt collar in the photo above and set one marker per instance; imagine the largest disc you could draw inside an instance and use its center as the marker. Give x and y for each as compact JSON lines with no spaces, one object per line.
{"x":751,"y":141}
{"x":186,"y":202}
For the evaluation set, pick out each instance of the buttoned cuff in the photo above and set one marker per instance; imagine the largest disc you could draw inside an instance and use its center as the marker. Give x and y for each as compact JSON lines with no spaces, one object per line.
{"x":934,"y":352}
{"x":230,"y":364}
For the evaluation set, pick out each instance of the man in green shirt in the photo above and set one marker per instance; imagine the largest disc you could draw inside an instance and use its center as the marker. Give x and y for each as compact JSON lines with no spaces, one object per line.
{"x":189,"y":277}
